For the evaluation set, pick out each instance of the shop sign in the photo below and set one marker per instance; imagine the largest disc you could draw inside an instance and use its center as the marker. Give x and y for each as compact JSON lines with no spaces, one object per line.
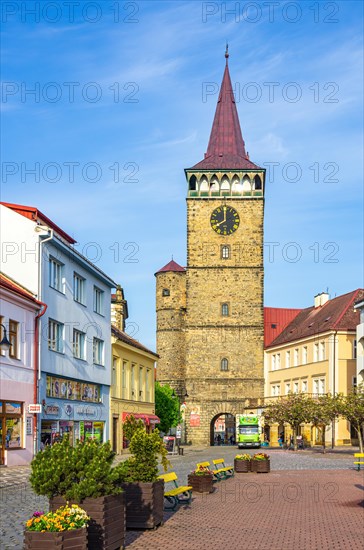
{"x":179,"y":431}
{"x":194,"y":420}
{"x":51,"y":409}
{"x":35,"y":408}
{"x":86,"y":411}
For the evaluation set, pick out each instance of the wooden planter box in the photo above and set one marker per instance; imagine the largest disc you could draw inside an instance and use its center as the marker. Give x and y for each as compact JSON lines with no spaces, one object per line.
{"x":242,"y":466}
{"x":260,"y":466}
{"x":75,"y":539}
{"x":201,"y":484}
{"x":144,"y":504}
{"x":106,"y":530}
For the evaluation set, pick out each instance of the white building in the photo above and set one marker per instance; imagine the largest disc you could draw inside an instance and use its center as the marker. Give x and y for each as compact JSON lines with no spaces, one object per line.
{"x":75,"y":342}
{"x":19,"y":312}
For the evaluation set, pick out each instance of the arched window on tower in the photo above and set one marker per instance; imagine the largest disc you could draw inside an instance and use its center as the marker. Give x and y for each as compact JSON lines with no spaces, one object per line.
{"x":257,"y":182}
{"x":192,"y":183}
{"x":224,"y":366}
{"x":225,"y":310}
{"x":225,"y":252}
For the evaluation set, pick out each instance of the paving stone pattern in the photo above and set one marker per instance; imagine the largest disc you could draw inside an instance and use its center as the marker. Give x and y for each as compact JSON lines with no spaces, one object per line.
{"x":308,"y":501}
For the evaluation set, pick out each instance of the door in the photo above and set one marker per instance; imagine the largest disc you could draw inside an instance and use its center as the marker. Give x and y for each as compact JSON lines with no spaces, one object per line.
{"x":115,"y":434}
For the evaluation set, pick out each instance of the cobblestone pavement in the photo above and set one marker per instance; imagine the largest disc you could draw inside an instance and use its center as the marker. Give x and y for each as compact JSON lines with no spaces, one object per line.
{"x":214,"y":520}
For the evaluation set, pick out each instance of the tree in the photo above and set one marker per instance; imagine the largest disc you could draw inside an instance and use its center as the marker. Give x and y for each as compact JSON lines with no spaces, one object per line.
{"x":351,"y":407}
{"x":166,"y":407}
{"x":293,"y":409}
{"x":323,"y":412}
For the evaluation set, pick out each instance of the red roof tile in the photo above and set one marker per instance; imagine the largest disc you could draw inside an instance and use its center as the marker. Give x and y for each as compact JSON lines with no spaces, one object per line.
{"x":226,"y":148}
{"x":335,"y":314}
{"x":34,"y":214}
{"x":275,"y":320}
{"x":171,"y":266}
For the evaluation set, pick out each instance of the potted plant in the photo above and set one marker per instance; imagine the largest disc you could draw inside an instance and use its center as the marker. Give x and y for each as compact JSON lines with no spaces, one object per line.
{"x":83,"y":474}
{"x":138,"y":476}
{"x":260,"y":463}
{"x":242,"y":463}
{"x":201,"y":480}
{"x":60,"y":530}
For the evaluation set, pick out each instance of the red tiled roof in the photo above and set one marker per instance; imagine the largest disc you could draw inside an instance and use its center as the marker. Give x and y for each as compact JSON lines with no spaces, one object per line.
{"x":275,"y":320}
{"x":226,"y":148}
{"x":335,"y":314}
{"x":34,"y":214}
{"x":120,"y":335}
{"x":171,"y":266}
{"x":10,"y":284}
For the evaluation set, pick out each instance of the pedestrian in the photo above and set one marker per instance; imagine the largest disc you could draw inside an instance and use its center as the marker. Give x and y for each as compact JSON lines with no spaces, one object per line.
{"x":219,"y":439}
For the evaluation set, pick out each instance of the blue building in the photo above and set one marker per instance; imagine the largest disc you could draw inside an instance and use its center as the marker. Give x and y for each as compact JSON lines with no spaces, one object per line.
{"x":74,"y":367}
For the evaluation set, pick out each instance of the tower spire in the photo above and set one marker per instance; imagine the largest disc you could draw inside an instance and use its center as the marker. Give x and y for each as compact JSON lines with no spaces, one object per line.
{"x":226,"y":148}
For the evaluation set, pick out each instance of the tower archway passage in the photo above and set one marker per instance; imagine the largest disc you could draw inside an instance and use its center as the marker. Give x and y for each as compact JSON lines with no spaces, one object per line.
{"x":222,"y":429}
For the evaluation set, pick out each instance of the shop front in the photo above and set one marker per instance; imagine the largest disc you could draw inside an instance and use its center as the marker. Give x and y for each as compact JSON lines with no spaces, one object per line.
{"x":150,"y":421}
{"x":75,"y":409}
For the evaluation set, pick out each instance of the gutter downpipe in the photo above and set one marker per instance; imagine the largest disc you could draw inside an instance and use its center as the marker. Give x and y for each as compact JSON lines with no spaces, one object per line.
{"x":333,"y":390}
{"x":36,"y":372}
{"x":37,"y":368}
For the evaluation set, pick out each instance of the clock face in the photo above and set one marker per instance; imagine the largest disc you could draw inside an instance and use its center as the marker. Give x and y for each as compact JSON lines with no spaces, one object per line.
{"x":224,"y":220}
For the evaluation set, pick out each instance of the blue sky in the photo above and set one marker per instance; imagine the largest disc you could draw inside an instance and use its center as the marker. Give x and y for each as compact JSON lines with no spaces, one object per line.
{"x":121,"y":100}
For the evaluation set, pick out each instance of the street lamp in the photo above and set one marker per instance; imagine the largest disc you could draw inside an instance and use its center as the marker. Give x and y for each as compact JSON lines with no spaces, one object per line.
{"x":5,"y":345}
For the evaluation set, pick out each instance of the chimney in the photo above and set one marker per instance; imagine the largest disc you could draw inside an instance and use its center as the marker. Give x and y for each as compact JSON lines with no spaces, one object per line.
{"x":119,"y":309}
{"x":321,"y":299}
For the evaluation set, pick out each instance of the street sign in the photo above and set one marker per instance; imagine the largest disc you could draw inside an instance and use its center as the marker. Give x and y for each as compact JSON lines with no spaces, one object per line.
{"x":35,"y":408}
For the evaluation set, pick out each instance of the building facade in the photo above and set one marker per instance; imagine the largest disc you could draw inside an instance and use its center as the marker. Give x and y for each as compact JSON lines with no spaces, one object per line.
{"x":359,"y":306}
{"x":75,"y":342}
{"x":210,"y":314}
{"x":315,"y":354}
{"x":19,"y":315}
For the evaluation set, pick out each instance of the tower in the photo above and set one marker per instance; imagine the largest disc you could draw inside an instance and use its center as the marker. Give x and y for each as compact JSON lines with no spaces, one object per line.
{"x":222,"y":329}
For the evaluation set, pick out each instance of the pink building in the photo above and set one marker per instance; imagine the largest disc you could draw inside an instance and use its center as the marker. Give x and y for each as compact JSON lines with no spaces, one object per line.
{"x":18,"y":374}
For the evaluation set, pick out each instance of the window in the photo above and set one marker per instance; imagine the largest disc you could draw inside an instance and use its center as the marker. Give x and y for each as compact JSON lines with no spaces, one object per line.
{"x":56,"y":275}
{"x":225,"y":252}
{"x":55,"y":336}
{"x":123,"y":379}
{"x":273,"y":362}
{"x":275,"y":390}
{"x":114,"y":374}
{"x":147,"y":386}
{"x":322,"y":351}
{"x":278,"y":361}
{"x":79,"y":344}
{"x":287,"y":387}
{"x":79,"y":288}
{"x":132,"y":381}
{"x":295,"y":387}
{"x":225,"y":310}
{"x":13,"y":339}
{"x":354,"y":349}
{"x":141,"y":372}
{"x":304,"y":386}
{"x":166,"y":292}
{"x":295,"y":357}
{"x":98,"y":349}
{"x":288,"y":359}
{"x":304,"y":355}
{"x":224,"y":364}
{"x":315,"y":352}
{"x":319,"y":386}
{"x":98,"y":300}
{"x":11,"y":423}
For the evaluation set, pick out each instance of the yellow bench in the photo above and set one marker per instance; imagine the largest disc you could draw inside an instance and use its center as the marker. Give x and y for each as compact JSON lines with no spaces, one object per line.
{"x":359,"y":462}
{"x":178,"y":495}
{"x":217,"y":476}
{"x":223,"y":471}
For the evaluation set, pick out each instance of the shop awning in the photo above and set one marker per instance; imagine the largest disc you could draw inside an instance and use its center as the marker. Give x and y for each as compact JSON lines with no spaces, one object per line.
{"x":147,"y":418}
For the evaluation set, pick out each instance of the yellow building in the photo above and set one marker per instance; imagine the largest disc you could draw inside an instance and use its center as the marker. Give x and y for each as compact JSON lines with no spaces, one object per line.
{"x":316,"y":354}
{"x":132,"y":378}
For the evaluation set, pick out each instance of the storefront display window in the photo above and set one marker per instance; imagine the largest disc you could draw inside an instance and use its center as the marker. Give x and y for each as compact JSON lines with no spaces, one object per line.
{"x":53,"y":431}
{"x":11,"y":424}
